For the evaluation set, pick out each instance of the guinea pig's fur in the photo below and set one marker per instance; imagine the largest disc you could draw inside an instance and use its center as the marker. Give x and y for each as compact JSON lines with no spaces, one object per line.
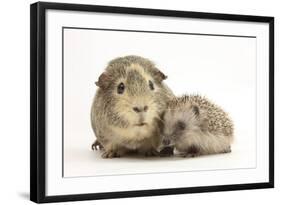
{"x":195,"y":126}
{"x":127,"y":108}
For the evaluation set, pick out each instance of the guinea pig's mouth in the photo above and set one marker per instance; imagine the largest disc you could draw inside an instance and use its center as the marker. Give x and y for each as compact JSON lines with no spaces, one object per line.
{"x":141,"y":124}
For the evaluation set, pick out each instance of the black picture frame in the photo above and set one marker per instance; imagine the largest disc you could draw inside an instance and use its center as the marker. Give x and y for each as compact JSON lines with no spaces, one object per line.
{"x":38,"y":100}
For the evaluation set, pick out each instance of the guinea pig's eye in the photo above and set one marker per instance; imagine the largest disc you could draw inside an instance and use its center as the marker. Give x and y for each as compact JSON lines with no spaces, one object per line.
{"x":180,"y":125}
{"x":120,"y":88}
{"x":151,"y":86}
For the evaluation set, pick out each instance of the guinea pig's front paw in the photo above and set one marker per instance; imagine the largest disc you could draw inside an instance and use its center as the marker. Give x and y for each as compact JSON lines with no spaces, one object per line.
{"x":97,"y":145}
{"x":110,"y":154}
{"x":151,"y":153}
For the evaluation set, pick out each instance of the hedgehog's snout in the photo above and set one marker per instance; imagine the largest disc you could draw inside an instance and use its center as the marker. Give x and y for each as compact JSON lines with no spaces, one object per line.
{"x":166,"y":141}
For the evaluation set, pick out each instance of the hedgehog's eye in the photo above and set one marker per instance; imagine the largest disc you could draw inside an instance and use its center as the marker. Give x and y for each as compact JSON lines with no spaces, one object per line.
{"x":151,"y":86}
{"x":180,"y":125}
{"x":120,"y":88}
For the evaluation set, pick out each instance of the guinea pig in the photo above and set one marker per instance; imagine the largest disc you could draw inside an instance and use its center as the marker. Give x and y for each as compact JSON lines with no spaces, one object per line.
{"x":194,"y":126}
{"x":128,"y":106}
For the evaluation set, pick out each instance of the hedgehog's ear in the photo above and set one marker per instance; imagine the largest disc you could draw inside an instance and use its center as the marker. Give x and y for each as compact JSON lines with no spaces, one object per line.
{"x":204,"y":124}
{"x":195,"y":110}
{"x":103,"y":81}
{"x":159,"y":75}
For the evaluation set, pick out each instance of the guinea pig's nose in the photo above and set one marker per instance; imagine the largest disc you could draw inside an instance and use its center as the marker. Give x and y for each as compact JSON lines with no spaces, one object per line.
{"x":140,"y":109}
{"x":166,"y":141}
{"x":136,"y":109}
{"x":145,"y":108}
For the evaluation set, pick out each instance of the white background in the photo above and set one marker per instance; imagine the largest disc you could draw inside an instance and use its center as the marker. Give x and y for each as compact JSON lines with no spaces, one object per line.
{"x":219,"y":67}
{"x":55,"y":19}
{"x":15,"y":101}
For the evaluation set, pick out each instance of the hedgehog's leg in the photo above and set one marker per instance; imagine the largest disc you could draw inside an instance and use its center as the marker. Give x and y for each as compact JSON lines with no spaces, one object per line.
{"x":192,"y":151}
{"x":97,"y":145}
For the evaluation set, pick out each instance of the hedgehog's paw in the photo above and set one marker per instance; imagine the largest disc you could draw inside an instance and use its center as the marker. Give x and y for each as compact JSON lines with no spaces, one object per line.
{"x":189,"y":155}
{"x":192,"y":151}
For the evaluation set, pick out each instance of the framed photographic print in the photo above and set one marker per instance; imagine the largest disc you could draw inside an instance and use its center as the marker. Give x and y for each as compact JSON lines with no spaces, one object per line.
{"x":129,"y":102}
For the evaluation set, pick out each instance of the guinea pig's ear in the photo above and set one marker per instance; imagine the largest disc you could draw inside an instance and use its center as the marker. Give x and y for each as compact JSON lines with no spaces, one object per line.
{"x":103,"y":81}
{"x":195,"y":110}
{"x":159,"y":75}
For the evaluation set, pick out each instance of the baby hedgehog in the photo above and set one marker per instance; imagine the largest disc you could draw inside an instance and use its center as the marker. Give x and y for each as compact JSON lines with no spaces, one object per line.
{"x":195,"y":126}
